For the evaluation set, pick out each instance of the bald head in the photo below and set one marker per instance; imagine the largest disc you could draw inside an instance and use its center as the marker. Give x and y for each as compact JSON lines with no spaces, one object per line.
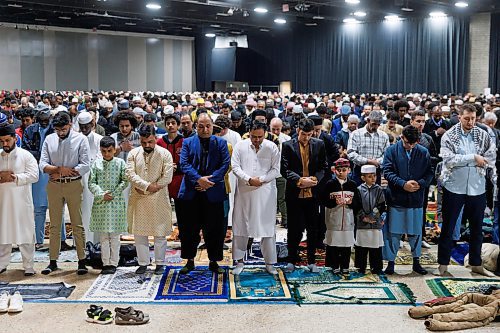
{"x":204,"y":125}
{"x":276,"y":126}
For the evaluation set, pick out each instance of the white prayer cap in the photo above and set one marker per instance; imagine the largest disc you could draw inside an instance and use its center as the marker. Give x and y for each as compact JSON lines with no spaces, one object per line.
{"x":311,"y":106}
{"x":136,"y":99}
{"x":445,"y":108}
{"x":74,"y":100}
{"x":84,"y":118}
{"x":367,"y":168}
{"x":139,"y":111}
{"x":169,"y":109}
{"x":108,"y":104}
{"x":459,"y":102}
{"x":297,"y":109}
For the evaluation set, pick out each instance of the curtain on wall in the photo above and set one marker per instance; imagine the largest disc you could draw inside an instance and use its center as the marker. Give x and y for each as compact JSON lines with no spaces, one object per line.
{"x":494,"y":77}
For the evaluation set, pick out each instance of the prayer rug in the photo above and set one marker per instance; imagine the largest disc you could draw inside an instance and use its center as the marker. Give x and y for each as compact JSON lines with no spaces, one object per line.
{"x":199,"y":285}
{"x":201,"y":258}
{"x":257,"y":285}
{"x":39,"y":291}
{"x":123,"y":286}
{"x":255,"y":256}
{"x":320,"y":255}
{"x":405,"y":257}
{"x":353,"y":293}
{"x":459,"y":252}
{"x":445,"y":287}
{"x":43,"y":256}
{"x":303,"y":275}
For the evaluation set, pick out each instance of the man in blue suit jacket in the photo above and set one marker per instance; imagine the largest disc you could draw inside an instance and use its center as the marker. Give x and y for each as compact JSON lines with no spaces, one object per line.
{"x":204,"y":161}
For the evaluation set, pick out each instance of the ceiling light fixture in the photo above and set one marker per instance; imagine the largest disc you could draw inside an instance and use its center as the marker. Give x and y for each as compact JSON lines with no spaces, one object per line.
{"x":154,"y":6}
{"x":279,"y":21}
{"x":105,"y":25}
{"x":161,"y":30}
{"x":215,"y":25}
{"x":246,"y":13}
{"x":311,"y":24}
{"x":360,"y":14}
{"x":64,"y":17}
{"x":14,"y":5}
{"x":353,"y":2}
{"x":392,"y":18}
{"x":158,"y":20}
{"x":230,"y":11}
{"x":187,"y":28}
{"x":350,"y":20}
{"x":437,"y":14}
{"x":210,"y":35}
{"x":407,"y":9}
{"x":260,"y":10}
{"x":130,"y":23}
{"x":461,"y":4}
{"x":264,"y":30}
{"x":318,"y":17}
{"x":40,"y":19}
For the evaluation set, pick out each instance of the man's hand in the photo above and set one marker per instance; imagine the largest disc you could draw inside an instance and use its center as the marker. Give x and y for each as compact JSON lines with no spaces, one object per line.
{"x":255,"y":181}
{"x":154,"y":187}
{"x":126,"y":146}
{"x":7,"y":177}
{"x":68,"y":172}
{"x":107,"y":197}
{"x":440,"y":131}
{"x":480,"y":161}
{"x":340,"y":201}
{"x":204,"y":183}
{"x":373,"y":162}
{"x":306,"y":182}
{"x":411,"y":186}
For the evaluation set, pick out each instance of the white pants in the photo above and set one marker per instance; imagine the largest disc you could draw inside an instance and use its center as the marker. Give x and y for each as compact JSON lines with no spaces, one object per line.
{"x":87,"y":202}
{"x":142,"y":247}
{"x":267,"y":246}
{"x":27,"y":253}
{"x":110,"y":248}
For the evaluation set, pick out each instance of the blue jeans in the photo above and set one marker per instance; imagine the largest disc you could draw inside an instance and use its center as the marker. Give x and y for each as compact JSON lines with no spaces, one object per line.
{"x":495,"y":231}
{"x":456,"y":231}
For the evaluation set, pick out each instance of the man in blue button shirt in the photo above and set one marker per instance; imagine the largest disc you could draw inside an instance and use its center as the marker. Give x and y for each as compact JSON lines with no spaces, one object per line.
{"x":467,"y":152}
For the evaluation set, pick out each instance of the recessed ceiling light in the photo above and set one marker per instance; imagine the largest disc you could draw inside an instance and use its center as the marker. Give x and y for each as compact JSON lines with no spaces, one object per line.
{"x":222,"y":14}
{"x":40,"y":19}
{"x":318,"y":17}
{"x":279,"y":21}
{"x":354,"y":2}
{"x":154,"y":6}
{"x":350,"y":20}
{"x":130,"y":23}
{"x":264,"y":30}
{"x":311,"y":24}
{"x":14,"y":5}
{"x":359,"y":14}
{"x":235,"y":32}
{"x":158,"y":20}
{"x":260,"y":10}
{"x":392,"y":18}
{"x":187,"y":28}
{"x":407,"y":9}
{"x":105,"y":25}
{"x":437,"y":14}
{"x":161,"y":30}
{"x":461,"y":4}
{"x":65,"y":18}
{"x":210,"y":35}
{"x":215,"y":25}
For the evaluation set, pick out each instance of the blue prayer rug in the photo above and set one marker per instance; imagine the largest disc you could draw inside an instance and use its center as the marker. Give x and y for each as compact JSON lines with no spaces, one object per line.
{"x":256,"y":284}
{"x":199,"y":285}
{"x":459,"y":252}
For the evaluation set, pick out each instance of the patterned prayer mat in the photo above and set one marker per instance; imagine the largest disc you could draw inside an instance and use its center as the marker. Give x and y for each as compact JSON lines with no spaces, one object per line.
{"x":459,"y":252}
{"x":123,"y":286}
{"x":444,"y":287}
{"x":256,"y":284}
{"x":320,"y":255}
{"x":353,"y":293}
{"x":405,"y":257}
{"x":303,"y":275}
{"x":39,"y":291}
{"x":43,"y":256}
{"x":199,"y":285}
{"x":255,"y":256}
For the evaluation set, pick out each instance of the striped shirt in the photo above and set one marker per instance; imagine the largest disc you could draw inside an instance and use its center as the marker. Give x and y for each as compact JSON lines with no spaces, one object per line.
{"x":364,"y":146}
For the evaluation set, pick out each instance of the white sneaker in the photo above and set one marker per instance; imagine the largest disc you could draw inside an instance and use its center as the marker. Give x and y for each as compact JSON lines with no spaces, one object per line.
{"x":16,"y":303}
{"x":313,"y":268}
{"x":271,"y":270}
{"x":426,"y":245}
{"x":238,"y":269}
{"x":4,"y":302}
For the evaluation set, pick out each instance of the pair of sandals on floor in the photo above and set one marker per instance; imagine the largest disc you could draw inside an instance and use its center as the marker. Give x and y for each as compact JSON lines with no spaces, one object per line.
{"x":123,"y":316}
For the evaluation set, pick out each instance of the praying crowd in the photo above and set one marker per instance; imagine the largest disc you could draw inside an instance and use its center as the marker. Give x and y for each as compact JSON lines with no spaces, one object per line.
{"x":355,"y":172}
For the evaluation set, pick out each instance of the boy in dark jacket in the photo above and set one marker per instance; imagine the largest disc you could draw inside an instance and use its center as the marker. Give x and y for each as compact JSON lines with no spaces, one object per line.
{"x":369,"y":237}
{"x":341,"y":199}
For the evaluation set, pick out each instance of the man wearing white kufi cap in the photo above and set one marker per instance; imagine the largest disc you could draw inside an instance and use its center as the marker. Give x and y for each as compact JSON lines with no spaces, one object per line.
{"x":86,"y":128}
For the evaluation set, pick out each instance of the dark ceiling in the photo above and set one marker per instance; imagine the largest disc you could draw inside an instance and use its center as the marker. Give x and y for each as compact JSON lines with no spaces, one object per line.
{"x":191,"y":17}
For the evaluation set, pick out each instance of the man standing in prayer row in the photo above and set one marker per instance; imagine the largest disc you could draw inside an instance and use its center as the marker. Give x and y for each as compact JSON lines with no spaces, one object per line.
{"x":204,"y":160}
{"x":18,"y":170}
{"x":256,"y":164}
{"x":466,"y":151}
{"x":65,"y":157}
{"x":149,"y":170}
{"x":303,"y":164}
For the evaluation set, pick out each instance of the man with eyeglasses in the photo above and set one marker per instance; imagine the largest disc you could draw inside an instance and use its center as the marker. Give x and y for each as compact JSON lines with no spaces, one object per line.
{"x":407,"y":168}
{"x":65,"y":157}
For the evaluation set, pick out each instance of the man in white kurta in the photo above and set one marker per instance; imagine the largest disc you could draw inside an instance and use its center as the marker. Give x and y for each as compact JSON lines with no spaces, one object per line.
{"x":18,"y":170}
{"x":149,"y":213}
{"x":86,"y":125}
{"x":256,"y":164}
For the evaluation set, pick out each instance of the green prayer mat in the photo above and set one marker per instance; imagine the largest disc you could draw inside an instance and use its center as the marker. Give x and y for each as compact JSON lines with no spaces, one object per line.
{"x":303,"y":275}
{"x":445,"y":287}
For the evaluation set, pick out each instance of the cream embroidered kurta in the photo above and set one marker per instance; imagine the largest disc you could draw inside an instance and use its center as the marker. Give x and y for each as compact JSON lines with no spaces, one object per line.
{"x":17,"y":220}
{"x":149,"y":214}
{"x":254,"y":213}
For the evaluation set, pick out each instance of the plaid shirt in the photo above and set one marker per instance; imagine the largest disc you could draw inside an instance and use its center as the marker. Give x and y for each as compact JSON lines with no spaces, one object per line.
{"x":364,"y":146}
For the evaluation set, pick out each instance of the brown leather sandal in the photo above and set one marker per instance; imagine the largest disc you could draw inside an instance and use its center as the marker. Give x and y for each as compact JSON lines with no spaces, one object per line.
{"x":130,"y":316}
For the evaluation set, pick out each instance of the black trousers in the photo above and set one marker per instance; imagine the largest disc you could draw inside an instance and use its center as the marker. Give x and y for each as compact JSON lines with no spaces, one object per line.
{"x":338,"y":257}
{"x":424,"y":219}
{"x":321,"y":228}
{"x":302,"y":214}
{"x":474,"y":213}
{"x":361,"y":254}
{"x":200,"y":214}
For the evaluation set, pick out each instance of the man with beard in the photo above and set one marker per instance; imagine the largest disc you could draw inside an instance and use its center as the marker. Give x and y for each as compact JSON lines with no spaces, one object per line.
{"x":27,"y":116}
{"x":106,"y":119}
{"x":149,"y":170}
{"x":436,"y":126}
{"x":18,"y":170}
{"x":402,"y":107}
{"x":126,"y":139}
{"x":237,"y":124}
{"x":186,"y":125}
{"x":65,"y":157}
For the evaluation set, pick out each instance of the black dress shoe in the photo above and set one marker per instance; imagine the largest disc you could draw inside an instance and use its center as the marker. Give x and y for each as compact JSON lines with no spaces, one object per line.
{"x":159,"y":269}
{"x":50,"y":268}
{"x":3,"y":270}
{"x":66,"y":247}
{"x":82,"y":269}
{"x":214,"y":267}
{"x":141,"y":270}
{"x":187,"y":268}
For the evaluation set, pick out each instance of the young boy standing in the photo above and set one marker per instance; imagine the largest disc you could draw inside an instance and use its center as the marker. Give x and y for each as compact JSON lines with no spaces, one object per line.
{"x":369,"y":237}
{"x":109,"y":214}
{"x":341,"y":199}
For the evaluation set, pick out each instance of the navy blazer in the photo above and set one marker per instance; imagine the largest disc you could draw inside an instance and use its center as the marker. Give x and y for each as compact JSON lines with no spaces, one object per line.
{"x":398,"y":169}
{"x":217,"y":165}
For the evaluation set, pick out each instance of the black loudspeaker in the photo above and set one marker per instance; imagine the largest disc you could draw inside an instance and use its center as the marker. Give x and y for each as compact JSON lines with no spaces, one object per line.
{"x":235,"y":44}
